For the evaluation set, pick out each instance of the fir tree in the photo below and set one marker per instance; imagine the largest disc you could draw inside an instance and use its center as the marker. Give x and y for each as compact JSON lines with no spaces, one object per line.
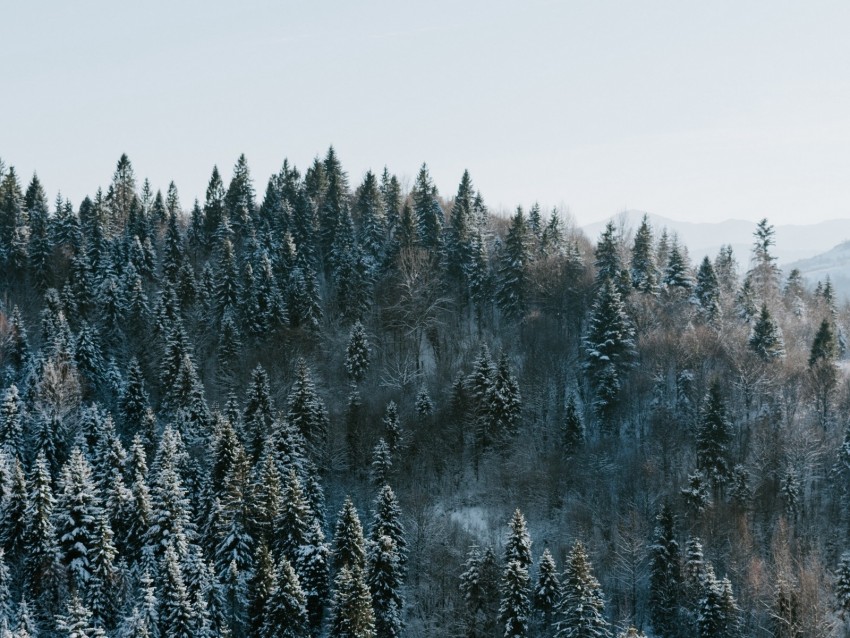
{"x":76,"y":515}
{"x":293,"y":525}
{"x":518,"y":545}
{"x":504,"y":403}
{"x":260,"y":588}
{"x":104,"y":592}
{"x":609,"y":349}
{"x":285,"y":613}
{"x":677,"y":274}
{"x":349,"y":545}
{"x":714,"y":436}
{"x":513,"y":269}
{"x":824,"y":346}
{"x":581,"y":609}
{"x":41,"y":563}
{"x":664,"y":579}
{"x":427,"y":213}
{"x":177,"y":617}
{"x":12,"y":416}
{"x":382,"y":463}
{"x":259,"y":411}
{"x":573,"y":429}
{"x":392,"y":427}
{"x":644,"y":271}
{"x":547,"y":592}
{"x":384,"y":577}
{"x":314,"y":572}
{"x":386,"y":521}
{"x":357,"y":354}
{"x":307,"y":413}
{"x":515,"y":609}
{"x":842,"y":585}
{"x":766,"y":338}
{"x":351,"y":607}
{"x":707,"y":291}
{"x":76,"y":622}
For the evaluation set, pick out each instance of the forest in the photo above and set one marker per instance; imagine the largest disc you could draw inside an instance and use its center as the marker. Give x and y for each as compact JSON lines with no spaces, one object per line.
{"x":366,"y":409}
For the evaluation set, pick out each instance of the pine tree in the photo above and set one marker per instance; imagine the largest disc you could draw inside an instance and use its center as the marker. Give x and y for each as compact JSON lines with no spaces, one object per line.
{"x":392,"y":427}
{"x":307,"y":413}
{"x":260,"y":588}
{"x":259,"y":411}
{"x":293,"y":525}
{"x":384,"y":577}
{"x":349,"y":545}
{"x":609,"y":261}
{"x":357,"y":354}
{"x":286,"y":613}
{"x":386,"y":521}
{"x":77,"y":511}
{"x":479,"y":586}
{"x":707,"y":291}
{"x":581,"y":609}
{"x":170,"y":524}
{"x":513,"y":269}
{"x":664,"y":578}
{"x":104,"y":595}
{"x":677,"y":274}
{"x":609,"y":349}
{"x":382,"y":463}
{"x":12,"y":416}
{"x":427,"y":212}
{"x":177,"y":618}
{"x":515,"y":608}
{"x":369,"y":209}
{"x":77,"y":621}
{"x":41,"y":563}
{"x":547,"y":592}
{"x":824,"y":346}
{"x":351,"y":607}
{"x":518,"y":544}
{"x":644,"y":271}
{"x":459,"y":253}
{"x":573,"y":429}
{"x":714,"y":436}
{"x":504,"y":403}
{"x":764,"y":273}
{"x":314,"y":572}
{"x":766,"y":338}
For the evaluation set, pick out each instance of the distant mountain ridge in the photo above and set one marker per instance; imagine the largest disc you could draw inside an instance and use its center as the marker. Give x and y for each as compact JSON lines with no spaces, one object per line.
{"x":794,"y":242}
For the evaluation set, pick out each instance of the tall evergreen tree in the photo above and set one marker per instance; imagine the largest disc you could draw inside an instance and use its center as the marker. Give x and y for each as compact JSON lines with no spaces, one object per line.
{"x":644,"y":271}
{"x":713,"y":439}
{"x":664,"y":577}
{"x":384,"y":577}
{"x":349,"y":545}
{"x":357,"y":353}
{"x":515,"y":608}
{"x":511,"y":294}
{"x":351,"y":607}
{"x":766,"y":338}
{"x":547,"y":592}
{"x":581,"y":610}
{"x":286,"y":613}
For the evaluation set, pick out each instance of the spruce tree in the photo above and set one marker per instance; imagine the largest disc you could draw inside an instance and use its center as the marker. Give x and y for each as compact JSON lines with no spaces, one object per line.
{"x":581,"y":609}
{"x":387,"y":521}
{"x":677,"y":275}
{"x":644,"y":271}
{"x":392,"y":427}
{"x":707,"y":291}
{"x":573,"y":429}
{"x":824,"y":346}
{"x":427,"y":213}
{"x":518,"y":544}
{"x":259,"y":411}
{"x":382,"y":463}
{"x":384,"y":577}
{"x":41,"y":562}
{"x":515,"y":608}
{"x":357,"y":353}
{"x":307,"y":413}
{"x":260,"y":588}
{"x":504,"y":403}
{"x":609,"y":349}
{"x":77,"y":511}
{"x":285,"y":613}
{"x":714,"y":436}
{"x":512,"y":287}
{"x":547,"y":592}
{"x":177,"y":616}
{"x":349,"y":545}
{"x":351,"y":607}
{"x":664,"y":575}
{"x":314,"y":573}
{"x":12,"y":416}
{"x":766,"y":338}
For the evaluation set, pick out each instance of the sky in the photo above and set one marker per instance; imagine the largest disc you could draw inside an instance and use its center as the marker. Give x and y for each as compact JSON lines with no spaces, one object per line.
{"x":696,"y":111}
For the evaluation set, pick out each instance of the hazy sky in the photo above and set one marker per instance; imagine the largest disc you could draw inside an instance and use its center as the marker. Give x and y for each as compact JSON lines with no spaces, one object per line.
{"x":692,"y":110}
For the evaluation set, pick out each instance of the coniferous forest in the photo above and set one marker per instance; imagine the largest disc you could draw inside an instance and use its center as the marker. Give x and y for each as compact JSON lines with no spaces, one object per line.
{"x":356,"y":408}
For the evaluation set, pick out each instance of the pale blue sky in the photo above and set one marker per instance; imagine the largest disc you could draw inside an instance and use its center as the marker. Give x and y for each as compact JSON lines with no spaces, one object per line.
{"x":692,"y":110}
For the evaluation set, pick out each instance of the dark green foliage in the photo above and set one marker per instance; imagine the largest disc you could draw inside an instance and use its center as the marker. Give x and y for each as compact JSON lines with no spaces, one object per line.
{"x":664,"y":576}
{"x":581,"y":609}
{"x":766,"y":338}
{"x":714,"y":437}
{"x":512,"y":288}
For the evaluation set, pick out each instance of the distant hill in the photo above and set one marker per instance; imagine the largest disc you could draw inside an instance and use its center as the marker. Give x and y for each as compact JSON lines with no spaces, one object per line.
{"x":834,"y":263}
{"x":794,"y":242}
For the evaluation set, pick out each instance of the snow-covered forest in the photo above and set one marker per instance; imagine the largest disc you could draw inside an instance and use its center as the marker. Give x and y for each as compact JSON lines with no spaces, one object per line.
{"x":329,"y":406}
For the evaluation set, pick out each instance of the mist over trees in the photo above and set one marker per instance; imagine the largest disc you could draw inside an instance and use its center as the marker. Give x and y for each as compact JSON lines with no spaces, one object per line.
{"x":326,"y":406}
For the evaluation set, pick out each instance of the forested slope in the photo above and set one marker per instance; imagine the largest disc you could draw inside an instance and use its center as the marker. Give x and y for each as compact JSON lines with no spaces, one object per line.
{"x":343,"y":409}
